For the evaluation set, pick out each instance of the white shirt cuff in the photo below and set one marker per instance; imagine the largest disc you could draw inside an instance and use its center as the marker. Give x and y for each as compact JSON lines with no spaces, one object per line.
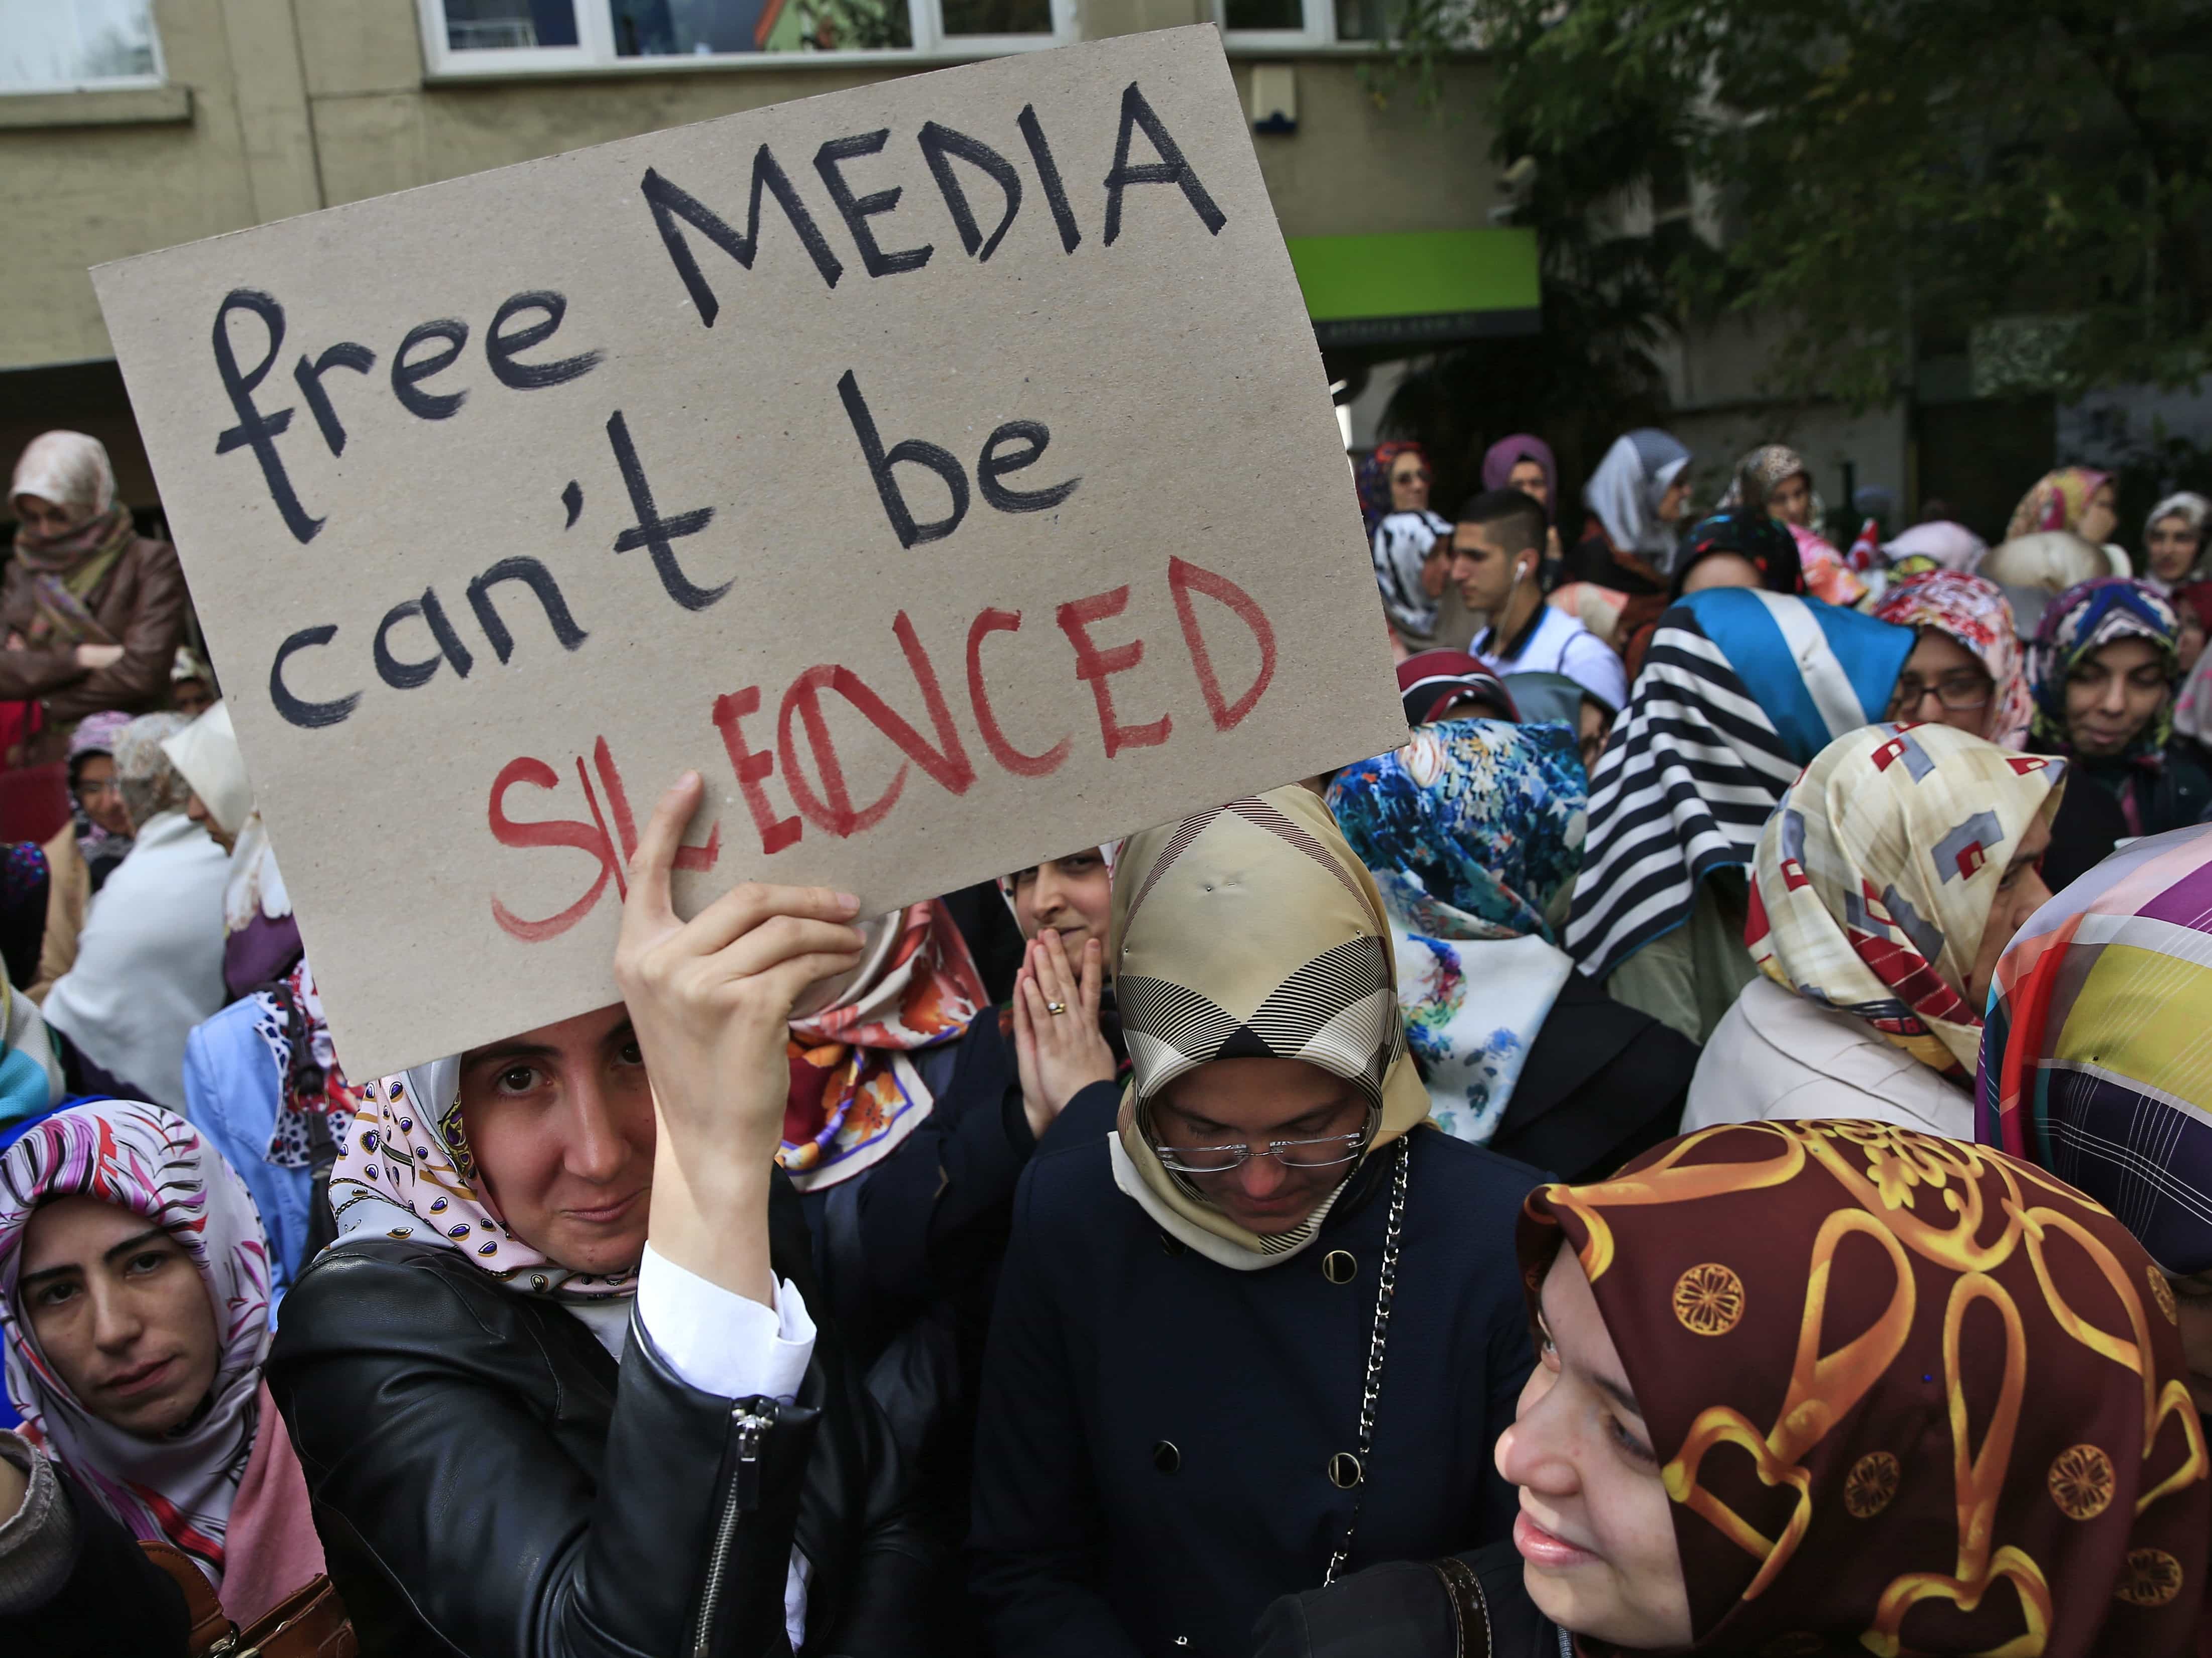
{"x":720,"y":1342}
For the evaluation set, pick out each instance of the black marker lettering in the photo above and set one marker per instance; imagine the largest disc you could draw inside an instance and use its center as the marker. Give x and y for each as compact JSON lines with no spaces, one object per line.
{"x":345,"y":355}
{"x":858,"y":209}
{"x":991,"y":466}
{"x":1170,"y":169}
{"x":405,"y":676}
{"x":654,"y":531}
{"x":539,"y":580}
{"x":939,"y":144}
{"x":405,"y":375}
{"x":311,"y":716}
{"x":1056,"y":193}
{"x":669,"y":204}
{"x":912,"y":451}
{"x":501,"y":347}
{"x":255,"y":430}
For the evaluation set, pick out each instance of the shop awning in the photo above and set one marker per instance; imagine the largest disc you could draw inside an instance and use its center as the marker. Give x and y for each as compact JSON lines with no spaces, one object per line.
{"x":1418,"y":287}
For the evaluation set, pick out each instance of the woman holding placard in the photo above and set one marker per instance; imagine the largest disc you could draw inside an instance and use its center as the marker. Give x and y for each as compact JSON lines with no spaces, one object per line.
{"x":556,"y":1387}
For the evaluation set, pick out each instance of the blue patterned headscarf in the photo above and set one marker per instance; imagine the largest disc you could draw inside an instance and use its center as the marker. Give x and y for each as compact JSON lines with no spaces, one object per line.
{"x":1473,"y":828}
{"x":2081,"y":622}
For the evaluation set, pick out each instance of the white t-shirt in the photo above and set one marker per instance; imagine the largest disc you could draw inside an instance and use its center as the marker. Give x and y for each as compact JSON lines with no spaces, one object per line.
{"x":1560,"y":644}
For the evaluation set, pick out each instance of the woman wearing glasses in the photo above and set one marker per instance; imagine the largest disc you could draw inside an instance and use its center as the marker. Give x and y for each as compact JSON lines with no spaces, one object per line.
{"x":1185,"y":1411}
{"x":1966,"y":669}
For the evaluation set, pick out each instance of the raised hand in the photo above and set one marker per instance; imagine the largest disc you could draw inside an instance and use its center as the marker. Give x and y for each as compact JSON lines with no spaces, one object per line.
{"x":711,"y":999}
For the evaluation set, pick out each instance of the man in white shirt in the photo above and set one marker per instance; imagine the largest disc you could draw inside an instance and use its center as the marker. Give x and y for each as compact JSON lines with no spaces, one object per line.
{"x":1495,"y":545}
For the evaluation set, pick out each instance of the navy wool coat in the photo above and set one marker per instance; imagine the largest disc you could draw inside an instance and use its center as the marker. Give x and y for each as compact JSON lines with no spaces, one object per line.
{"x":1152,"y":1461}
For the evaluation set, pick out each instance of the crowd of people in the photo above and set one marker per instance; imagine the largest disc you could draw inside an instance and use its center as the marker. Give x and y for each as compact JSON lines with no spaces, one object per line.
{"x":1337,"y":1224}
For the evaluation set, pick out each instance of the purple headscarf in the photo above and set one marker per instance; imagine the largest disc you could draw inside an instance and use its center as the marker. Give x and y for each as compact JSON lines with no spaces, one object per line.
{"x":1498,"y":461}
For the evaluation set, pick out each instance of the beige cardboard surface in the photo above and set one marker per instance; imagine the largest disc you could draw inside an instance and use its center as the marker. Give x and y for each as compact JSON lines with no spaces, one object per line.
{"x":558,"y":482}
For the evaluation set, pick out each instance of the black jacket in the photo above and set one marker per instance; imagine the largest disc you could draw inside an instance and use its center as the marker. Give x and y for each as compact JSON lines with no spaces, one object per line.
{"x":1465,"y":1605}
{"x":114,"y":1602}
{"x":1153,"y":1451}
{"x":486,"y":1483}
{"x":1602,"y":1083}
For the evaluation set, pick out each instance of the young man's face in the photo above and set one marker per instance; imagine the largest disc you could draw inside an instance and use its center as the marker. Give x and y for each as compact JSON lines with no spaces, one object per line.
{"x":1482,"y":567}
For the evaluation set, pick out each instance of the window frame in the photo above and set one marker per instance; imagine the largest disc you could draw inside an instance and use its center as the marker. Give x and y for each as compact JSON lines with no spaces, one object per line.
{"x":1320,"y":30}
{"x":159,"y":77}
{"x":594,"y":51}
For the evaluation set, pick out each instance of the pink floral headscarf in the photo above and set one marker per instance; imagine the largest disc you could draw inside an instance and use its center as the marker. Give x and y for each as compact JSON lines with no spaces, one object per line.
{"x":1975,"y":612}
{"x":179,"y":1488}
{"x":2057,"y":502}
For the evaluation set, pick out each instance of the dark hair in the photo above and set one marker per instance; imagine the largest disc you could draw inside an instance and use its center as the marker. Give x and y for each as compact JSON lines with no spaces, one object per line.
{"x":1514,"y":517}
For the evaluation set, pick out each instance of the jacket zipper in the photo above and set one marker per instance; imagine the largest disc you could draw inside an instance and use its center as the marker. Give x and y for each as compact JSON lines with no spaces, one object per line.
{"x":742,"y":1495}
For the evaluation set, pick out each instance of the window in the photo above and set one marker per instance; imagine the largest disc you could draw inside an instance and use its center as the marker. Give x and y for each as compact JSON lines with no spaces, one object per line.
{"x":59,"y":45}
{"x":475,"y":36}
{"x":1283,"y":23}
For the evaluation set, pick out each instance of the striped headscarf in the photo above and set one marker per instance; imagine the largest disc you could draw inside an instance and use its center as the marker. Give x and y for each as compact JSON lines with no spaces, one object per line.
{"x":1876,"y":875}
{"x":1975,"y":614}
{"x":2096,"y":1058}
{"x":1738,"y":690}
{"x":2083,"y":621}
{"x":1251,"y":931}
{"x":179,"y":1488}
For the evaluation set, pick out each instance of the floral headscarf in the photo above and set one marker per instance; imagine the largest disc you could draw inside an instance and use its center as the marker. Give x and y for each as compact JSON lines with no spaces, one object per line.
{"x":1473,"y":832}
{"x":2057,"y":502}
{"x":1907,"y":1395}
{"x":1502,"y":456}
{"x":2083,"y":621}
{"x":1976,"y":614}
{"x":404,"y":1170}
{"x":1375,"y":480}
{"x":855,"y":1094}
{"x":179,"y":1488}
{"x":1763,"y":472}
{"x":1761,"y":541}
{"x":1876,"y":875}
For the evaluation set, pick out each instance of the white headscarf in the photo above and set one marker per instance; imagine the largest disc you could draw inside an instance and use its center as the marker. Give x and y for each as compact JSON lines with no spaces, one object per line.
{"x":181,"y":1487}
{"x":207,"y":753}
{"x":1629,"y":482}
{"x":68,"y":469}
{"x":1953,"y":546}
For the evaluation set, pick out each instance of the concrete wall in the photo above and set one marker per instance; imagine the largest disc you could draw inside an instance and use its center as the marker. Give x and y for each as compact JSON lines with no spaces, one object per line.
{"x":281,"y":107}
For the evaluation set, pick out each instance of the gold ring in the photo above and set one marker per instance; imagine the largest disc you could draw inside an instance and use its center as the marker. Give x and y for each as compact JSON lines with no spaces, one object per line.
{"x":1055,"y":1007}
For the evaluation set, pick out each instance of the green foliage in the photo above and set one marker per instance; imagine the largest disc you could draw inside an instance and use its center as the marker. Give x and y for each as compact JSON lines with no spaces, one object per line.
{"x":1887,"y":176}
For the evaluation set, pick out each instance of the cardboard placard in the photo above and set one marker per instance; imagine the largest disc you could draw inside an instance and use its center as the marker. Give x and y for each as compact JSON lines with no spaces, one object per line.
{"x":944,"y":468}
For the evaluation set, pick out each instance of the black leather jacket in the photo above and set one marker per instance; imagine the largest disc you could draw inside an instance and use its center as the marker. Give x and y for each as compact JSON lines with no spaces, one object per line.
{"x":487,"y":1482}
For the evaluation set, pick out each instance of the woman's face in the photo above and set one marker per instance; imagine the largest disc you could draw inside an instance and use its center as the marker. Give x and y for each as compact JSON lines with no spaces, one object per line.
{"x":560,"y":1120}
{"x":1676,"y":500}
{"x":196,"y":810}
{"x":1596,"y":1531}
{"x":1944,"y":682}
{"x":120,"y":1313}
{"x":2172,"y":546}
{"x":2020,"y":893}
{"x":1073,"y":896}
{"x":1791,"y":501}
{"x":41,"y":518}
{"x":190,"y":697}
{"x":101,"y":795}
{"x":2113,"y":695}
{"x":1594,"y":725}
{"x":1251,"y":1103}
{"x":1409,"y":484}
{"x":2099,"y":517}
{"x":1528,"y":477}
{"x":1720,"y":570}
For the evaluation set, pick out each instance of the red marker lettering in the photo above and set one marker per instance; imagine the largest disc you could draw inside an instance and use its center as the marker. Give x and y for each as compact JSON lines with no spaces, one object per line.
{"x":559,"y":833}
{"x":1076,"y":620}
{"x":752,"y":765}
{"x":986,"y":720}
{"x":1181,"y":578}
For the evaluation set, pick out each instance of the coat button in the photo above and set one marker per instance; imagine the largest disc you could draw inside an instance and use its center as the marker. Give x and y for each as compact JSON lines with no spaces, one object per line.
{"x":1344,"y":1471}
{"x":1165,"y":1457}
{"x":1340,"y":1266}
{"x":1170,"y":1245}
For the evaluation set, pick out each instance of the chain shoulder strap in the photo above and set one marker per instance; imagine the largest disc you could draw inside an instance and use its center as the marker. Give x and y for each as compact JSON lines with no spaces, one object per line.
{"x":1385,"y":1289}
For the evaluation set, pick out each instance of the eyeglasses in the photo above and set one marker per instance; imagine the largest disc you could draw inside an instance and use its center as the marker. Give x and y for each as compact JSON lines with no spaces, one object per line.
{"x":1327,"y":1152}
{"x":1956,"y":690}
{"x":1416,"y":475}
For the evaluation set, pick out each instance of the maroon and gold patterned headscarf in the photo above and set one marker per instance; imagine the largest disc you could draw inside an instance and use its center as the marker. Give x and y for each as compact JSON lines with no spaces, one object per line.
{"x":1909,"y":1396}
